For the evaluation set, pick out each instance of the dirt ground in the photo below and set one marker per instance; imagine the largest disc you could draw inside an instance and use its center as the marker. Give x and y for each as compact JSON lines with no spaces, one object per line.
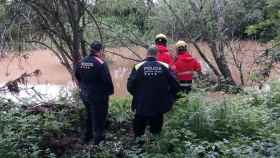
{"x":54,"y":73}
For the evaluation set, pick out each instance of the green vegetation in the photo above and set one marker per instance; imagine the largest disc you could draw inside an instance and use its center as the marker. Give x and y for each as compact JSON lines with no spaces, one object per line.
{"x":244,"y":125}
{"x":267,"y":29}
{"x":236,"y":126}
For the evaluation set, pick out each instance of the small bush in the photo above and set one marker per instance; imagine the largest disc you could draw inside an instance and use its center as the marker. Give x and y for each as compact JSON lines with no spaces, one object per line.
{"x":120,"y":109}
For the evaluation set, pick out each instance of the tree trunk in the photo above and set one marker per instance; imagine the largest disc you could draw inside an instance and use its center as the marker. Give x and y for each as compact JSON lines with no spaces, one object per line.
{"x":217,"y":50}
{"x":189,"y":39}
{"x":76,"y":45}
{"x":217,"y":44}
{"x":213,"y":68}
{"x":83,"y":42}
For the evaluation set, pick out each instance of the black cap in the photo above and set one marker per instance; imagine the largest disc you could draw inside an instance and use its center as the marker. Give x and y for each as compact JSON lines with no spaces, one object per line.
{"x":96,"y":46}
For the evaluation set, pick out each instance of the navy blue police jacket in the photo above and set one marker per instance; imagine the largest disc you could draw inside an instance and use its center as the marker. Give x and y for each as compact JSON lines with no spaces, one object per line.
{"x":153,"y":87}
{"x":94,"y":78}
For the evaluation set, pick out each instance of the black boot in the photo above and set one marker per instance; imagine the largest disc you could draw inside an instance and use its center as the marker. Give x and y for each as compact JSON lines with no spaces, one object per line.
{"x":99,"y":139}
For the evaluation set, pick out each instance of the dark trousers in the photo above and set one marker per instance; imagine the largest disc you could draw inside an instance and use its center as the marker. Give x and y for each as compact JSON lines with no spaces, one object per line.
{"x":140,"y":123}
{"x":186,"y":86}
{"x":186,"y":89}
{"x":96,"y":118}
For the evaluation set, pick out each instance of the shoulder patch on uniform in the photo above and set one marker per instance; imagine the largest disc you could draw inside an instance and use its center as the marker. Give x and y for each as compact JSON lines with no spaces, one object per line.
{"x":137,"y":66}
{"x":99,"y":60}
{"x":86,"y":65}
{"x":164,"y":64}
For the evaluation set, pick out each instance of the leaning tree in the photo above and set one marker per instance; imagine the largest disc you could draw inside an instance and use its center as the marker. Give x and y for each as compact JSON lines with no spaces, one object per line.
{"x":63,"y":27}
{"x":59,"y":23}
{"x":214,"y":22}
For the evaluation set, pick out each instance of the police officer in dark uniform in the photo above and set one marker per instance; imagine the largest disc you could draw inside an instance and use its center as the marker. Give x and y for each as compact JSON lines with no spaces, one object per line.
{"x":96,"y":86}
{"x":154,"y":88}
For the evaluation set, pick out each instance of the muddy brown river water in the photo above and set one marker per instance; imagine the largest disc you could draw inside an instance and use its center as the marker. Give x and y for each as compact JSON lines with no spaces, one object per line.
{"x":54,"y":73}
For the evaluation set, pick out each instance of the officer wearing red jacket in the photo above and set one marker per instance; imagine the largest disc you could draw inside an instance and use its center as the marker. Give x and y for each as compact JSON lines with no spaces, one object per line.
{"x":154,"y":88}
{"x":163,"y":54}
{"x":96,"y":86}
{"x":185,"y":66}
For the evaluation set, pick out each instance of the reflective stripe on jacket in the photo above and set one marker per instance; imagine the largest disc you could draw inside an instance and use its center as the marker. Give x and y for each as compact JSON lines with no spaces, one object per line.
{"x":153,"y":87}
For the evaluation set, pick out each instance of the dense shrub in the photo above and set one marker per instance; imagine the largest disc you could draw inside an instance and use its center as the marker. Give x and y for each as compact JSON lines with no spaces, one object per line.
{"x":244,"y":125}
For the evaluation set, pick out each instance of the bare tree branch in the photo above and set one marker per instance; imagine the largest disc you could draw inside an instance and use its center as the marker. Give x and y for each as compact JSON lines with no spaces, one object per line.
{"x":122,"y":56}
{"x":189,"y":39}
{"x":96,"y":24}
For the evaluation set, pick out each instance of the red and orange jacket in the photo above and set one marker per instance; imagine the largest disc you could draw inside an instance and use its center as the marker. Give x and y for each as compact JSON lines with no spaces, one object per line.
{"x":185,"y":65}
{"x":164,"y":55}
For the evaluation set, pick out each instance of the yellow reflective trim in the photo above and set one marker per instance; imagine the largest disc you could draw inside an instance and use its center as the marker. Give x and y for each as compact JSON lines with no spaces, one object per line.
{"x":137,"y":66}
{"x":164,"y":64}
